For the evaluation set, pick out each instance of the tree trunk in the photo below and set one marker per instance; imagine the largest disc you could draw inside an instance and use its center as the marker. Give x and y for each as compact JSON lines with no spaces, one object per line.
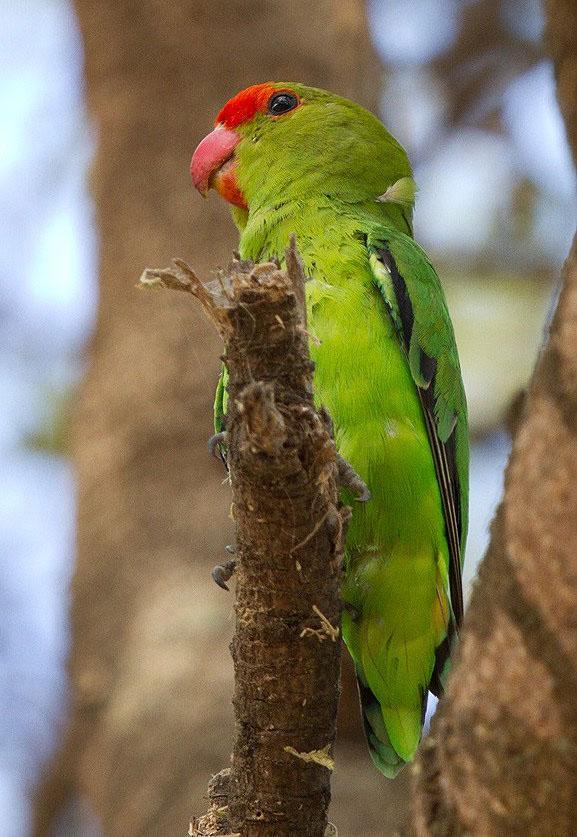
{"x":150,"y":676}
{"x":502,"y":755}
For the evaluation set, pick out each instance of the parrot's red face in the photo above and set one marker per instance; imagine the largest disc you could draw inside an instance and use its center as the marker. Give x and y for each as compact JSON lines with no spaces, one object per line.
{"x":213,"y":163}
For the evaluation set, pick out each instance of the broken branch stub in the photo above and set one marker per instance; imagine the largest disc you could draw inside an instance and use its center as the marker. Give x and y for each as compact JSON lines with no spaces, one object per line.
{"x":283,"y":473}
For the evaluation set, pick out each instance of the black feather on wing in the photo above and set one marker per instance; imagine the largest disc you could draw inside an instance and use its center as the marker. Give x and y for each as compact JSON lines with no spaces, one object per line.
{"x":444,"y":453}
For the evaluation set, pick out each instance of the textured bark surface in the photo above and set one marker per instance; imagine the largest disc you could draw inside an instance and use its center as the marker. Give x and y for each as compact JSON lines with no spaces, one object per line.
{"x":151,"y":675}
{"x":289,"y":535}
{"x":286,"y":647}
{"x":502,"y":755}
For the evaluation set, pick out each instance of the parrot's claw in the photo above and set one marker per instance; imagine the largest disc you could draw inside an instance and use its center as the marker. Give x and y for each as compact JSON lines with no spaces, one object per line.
{"x":328,"y":422}
{"x":231,"y":549}
{"x":214,"y":442}
{"x":223,"y":573}
{"x":353,"y":611}
{"x":349,"y":478}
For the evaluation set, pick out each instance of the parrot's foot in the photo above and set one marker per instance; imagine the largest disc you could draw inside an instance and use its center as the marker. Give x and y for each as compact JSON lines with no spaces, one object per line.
{"x":349,"y":478}
{"x":231,"y":549}
{"x":223,"y":573}
{"x":353,"y":611}
{"x":214,"y":443}
{"x":326,"y":417}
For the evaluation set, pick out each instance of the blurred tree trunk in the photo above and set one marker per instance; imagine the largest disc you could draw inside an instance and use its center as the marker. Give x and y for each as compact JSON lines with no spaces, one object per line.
{"x":149,"y":664}
{"x":502,"y":755}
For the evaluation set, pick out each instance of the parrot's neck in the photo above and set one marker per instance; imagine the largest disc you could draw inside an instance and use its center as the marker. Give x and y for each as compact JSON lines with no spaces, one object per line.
{"x":264,"y":233}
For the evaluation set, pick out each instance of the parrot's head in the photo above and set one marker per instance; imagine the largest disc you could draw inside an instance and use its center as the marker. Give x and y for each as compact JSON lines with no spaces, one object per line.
{"x":279,"y":142}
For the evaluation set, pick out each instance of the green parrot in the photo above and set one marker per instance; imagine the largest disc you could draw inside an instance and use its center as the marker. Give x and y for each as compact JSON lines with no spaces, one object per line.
{"x":296,"y":159}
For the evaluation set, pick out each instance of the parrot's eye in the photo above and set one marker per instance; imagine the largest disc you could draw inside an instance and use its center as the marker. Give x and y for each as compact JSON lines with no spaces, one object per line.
{"x":281,"y":103}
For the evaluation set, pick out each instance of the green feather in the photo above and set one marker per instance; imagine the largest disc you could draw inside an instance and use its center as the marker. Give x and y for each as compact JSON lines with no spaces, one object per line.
{"x":388,"y":372}
{"x":221,"y":400}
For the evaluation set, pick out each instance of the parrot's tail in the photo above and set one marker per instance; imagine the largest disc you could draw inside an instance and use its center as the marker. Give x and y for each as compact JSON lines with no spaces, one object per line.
{"x":384,"y":756}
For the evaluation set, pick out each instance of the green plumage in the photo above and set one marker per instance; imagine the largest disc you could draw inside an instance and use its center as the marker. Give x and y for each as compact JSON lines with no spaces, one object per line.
{"x":387,"y":370}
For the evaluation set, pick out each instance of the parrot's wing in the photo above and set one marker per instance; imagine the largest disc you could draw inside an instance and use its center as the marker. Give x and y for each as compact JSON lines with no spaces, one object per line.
{"x":413,"y":295}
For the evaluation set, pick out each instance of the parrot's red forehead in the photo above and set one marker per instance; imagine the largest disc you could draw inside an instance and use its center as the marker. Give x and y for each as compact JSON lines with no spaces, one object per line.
{"x":245,"y":105}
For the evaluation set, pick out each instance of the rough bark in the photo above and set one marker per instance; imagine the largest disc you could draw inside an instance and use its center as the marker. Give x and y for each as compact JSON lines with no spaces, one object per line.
{"x":502,"y":755}
{"x":286,"y":648}
{"x":282,"y":468}
{"x":289,"y":535}
{"x":150,"y":675}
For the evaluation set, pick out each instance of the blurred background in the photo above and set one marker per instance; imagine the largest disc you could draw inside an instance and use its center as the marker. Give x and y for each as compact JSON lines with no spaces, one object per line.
{"x":106,"y":395}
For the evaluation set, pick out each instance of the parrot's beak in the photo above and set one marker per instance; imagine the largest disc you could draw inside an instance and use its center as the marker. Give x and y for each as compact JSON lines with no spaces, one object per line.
{"x":210,"y":155}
